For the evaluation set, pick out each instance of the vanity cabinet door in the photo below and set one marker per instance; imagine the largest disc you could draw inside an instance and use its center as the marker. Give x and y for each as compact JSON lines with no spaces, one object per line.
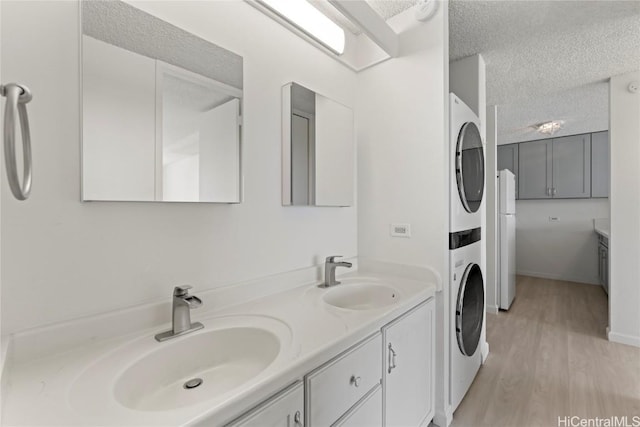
{"x":409,"y":365}
{"x":286,"y":409}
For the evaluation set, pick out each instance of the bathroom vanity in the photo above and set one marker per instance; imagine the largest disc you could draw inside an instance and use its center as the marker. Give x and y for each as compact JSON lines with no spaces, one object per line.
{"x":364,"y":385}
{"x":358,"y":353}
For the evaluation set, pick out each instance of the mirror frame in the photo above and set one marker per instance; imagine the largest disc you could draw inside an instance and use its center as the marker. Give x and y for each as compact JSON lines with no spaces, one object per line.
{"x":224,"y":86}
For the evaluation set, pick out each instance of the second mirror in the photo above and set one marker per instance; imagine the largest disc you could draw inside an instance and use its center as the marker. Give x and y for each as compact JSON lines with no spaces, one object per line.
{"x":318,"y":149}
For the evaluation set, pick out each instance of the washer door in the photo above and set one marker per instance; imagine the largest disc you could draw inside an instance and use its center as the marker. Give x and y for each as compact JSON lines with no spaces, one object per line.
{"x":470,"y":310}
{"x":470,"y":167}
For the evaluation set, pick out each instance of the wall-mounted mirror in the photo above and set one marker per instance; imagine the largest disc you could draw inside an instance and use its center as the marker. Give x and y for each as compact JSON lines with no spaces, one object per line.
{"x":160,"y":110}
{"x":317,"y":149}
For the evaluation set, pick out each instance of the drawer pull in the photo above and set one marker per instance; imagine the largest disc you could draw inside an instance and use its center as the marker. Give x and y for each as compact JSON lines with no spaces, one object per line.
{"x":354,"y":381}
{"x":392,"y":359}
{"x":297,"y":418}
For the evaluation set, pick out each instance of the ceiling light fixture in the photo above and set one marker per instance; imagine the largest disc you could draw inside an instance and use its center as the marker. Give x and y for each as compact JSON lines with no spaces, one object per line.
{"x":549,"y":128}
{"x":308,"y":19}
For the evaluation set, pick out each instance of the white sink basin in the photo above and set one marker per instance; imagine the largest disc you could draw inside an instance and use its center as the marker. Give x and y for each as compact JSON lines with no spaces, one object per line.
{"x":145,"y":375}
{"x":361,"y":296}
{"x":218,"y":360}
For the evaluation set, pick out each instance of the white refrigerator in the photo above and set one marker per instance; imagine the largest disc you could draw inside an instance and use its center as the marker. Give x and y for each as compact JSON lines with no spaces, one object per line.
{"x":506,"y":238}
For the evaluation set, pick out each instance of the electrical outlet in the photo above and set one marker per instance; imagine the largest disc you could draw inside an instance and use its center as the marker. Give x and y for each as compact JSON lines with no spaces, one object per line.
{"x":401,"y":230}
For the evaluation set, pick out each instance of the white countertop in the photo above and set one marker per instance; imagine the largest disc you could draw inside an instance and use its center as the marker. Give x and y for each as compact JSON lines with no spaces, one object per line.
{"x":46,"y":391}
{"x":602,"y":226}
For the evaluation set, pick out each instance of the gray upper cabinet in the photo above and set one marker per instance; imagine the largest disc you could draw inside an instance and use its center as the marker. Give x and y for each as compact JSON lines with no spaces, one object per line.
{"x":600,"y":164}
{"x":508,"y":159}
{"x":557,"y":168}
{"x":572,"y":167}
{"x":535,"y":169}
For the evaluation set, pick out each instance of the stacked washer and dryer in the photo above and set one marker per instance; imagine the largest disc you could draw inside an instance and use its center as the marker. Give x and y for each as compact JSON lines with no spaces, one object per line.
{"x":466,"y":291}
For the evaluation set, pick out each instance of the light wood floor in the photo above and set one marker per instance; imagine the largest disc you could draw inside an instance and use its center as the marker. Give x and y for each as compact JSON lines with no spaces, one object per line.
{"x":549,"y":357}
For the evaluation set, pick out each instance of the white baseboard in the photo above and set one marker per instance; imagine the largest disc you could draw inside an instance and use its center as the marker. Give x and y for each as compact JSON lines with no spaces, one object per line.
{"x":552,"y":276}
{"x":492,"y":309}
{"x":623,"y":338}
{"x":442,"y":419}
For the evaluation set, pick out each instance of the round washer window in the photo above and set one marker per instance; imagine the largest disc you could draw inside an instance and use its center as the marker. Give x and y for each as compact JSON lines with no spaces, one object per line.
{"x":470,"y":167}
{"x":470,"y":310}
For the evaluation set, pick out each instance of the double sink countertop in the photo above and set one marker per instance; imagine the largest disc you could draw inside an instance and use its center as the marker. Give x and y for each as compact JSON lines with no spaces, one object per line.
{"x":81,"y":385}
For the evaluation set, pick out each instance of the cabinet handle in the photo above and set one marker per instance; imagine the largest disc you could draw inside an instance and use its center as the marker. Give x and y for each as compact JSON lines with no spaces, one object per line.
{"x":355,"y":381}
{"x":392,"y":359}
{"x":297,"y":418}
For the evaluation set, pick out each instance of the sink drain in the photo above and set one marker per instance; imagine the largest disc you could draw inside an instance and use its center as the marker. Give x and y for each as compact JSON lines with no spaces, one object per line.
{"x":192,"y":383}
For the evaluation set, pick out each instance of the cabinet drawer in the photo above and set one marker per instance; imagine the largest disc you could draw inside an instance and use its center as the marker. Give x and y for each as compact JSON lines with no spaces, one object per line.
{"x":285,"y":409}
{"x":367,"y":413}
{"x":332,"y":390}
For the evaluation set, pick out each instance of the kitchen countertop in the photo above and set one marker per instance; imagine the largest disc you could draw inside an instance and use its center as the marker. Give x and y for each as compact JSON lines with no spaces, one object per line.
{"x":49,"y":391}
{"x":602,"y":226}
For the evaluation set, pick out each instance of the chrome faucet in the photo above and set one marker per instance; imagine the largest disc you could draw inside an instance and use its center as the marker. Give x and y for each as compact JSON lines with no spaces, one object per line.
{"x":330,"y":266}
{"x":182,"y":305}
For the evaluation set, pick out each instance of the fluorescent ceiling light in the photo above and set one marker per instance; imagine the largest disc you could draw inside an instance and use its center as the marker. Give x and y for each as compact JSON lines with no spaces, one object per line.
{"x":311,"y":21}
{"x":549,"y":128}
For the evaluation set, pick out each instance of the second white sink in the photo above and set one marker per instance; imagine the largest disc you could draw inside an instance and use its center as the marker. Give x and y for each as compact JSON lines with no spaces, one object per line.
{"x":361,"y":296}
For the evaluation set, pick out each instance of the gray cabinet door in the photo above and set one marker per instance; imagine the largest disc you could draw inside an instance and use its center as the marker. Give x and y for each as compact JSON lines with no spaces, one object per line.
{"x":572,"y":167}
{"x":534,"y":167}
{"x":600,"y":164}
{"x":508,"y":159}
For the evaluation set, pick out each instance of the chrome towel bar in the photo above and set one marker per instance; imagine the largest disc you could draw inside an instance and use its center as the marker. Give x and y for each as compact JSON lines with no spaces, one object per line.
{"x":17,"y":98}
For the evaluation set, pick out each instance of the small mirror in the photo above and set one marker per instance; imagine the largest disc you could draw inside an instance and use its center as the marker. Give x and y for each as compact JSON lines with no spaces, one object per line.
{"x":318,"y":149}
{"x":160,"y":110}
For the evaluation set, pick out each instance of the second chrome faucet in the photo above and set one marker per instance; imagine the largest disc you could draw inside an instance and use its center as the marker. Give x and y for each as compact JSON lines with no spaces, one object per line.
{"x":330,"y":266}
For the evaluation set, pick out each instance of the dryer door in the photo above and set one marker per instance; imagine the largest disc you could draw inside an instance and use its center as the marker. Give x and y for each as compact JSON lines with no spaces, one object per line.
{"x":470,"y":310}
{"x":470,"y":167}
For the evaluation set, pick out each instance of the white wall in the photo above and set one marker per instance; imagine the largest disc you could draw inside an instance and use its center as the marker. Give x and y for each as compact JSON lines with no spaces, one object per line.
{"x":219,"y":151}
{"x":64,"y":259}
{"x":402,"y":133}
{"x":401,"y":147}
{"x":566,"y":249}
{"x":624,"y":245}
{"x":119,"y":135}
{"x":467,"y":79}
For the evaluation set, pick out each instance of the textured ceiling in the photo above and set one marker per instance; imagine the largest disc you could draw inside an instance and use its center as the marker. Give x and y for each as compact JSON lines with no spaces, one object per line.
{"x":122,"y":25}
{"x":389,"y":8}
{"x":533,"y":48}
{"x":547,"y":60}
{"x":583,"y":109}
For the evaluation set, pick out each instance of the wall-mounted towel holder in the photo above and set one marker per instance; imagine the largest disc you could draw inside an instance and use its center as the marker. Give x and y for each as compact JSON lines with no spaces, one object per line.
{"x":17,"y":98}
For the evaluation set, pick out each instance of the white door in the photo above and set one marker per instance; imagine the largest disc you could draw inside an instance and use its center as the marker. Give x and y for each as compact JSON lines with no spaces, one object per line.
{"x":286,"y":409}
{"x":507,"y":260}
{"x":408,"y":368}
